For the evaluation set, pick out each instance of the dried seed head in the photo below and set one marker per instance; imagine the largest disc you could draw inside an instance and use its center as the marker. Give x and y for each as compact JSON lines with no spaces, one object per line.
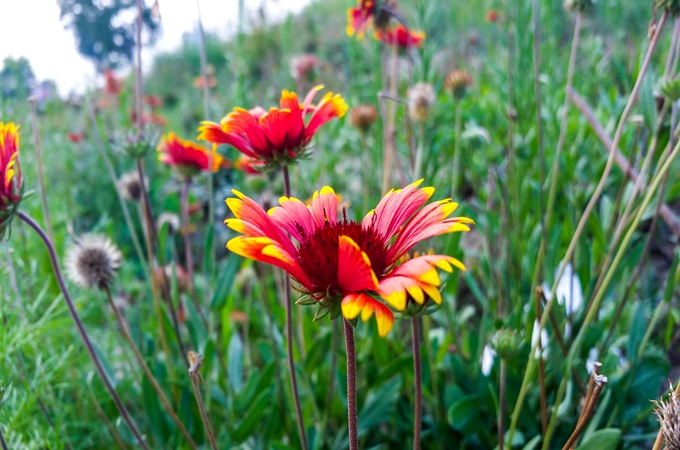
{"x":578,"y":5}
{"x":421,"y":97}
{"x":672,"y":7}
{"x":668,"y":414}
{"x":130,"y":187}
{"x":195,"y":361}
{"x":93,"y":261}
{"x":162,"y":278}
{"x":457,"y":82}
{"x":363,"y":116}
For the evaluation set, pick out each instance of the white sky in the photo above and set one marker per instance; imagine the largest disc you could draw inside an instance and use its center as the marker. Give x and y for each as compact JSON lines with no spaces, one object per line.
{"x":31,"y":28}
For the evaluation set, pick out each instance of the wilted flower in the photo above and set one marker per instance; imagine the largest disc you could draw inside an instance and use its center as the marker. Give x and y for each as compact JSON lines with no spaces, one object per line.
{"x":10,"y":174}
{"x":112,"y":86}
{"x":421,"y":97}
{"x":187,"y":157}
{"x":302,"y":66}
{"x":277,"y":137}
{"x":363,"y":116}
{"x":401,"y":37}
{"x":162,"y":278}
{"x":457,"y":82}
{"x":346,"y":266}
{"x":93,"y":261}
{"x":668,"y":414}
{"x":130,"y":187}
{"x":169,"y":219}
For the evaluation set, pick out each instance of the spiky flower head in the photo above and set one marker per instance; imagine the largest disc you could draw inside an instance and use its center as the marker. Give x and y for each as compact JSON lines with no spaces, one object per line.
{"x":578,"y":5}
{"x":135,"y":144}
{"x":93,"y":261}
{"x":506,"y":342}
{"x":670,"y":89}
{"x":421,"y":97}
{"x":672,"y":7}
{"x":130,"y":186}
{"x":668,"y":414}
{"x":363,"y":116}
{"x":457,"y":83}
{"x":11,"y":189}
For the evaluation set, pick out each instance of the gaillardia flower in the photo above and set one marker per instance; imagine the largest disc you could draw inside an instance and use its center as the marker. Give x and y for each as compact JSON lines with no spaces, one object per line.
{"x":10,"y":173}
{"x":277,"y":137}
{"x":187,"y":157}
{"x":358,"y":19}
{"x":344,"y":265}
{"x":401,"y":37}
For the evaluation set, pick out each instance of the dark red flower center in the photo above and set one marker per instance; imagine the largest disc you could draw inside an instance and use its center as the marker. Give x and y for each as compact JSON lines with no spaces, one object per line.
{"x":318,"y":252}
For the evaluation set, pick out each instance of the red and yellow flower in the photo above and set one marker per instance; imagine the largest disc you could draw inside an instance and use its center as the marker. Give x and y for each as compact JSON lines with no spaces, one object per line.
{"x":352,"y":266}
{"x":358,"y":19}
{"x":189,"y":158}
{"x":401,"y":37}
{"x":10,"y":172}
{"x":278,"y":136}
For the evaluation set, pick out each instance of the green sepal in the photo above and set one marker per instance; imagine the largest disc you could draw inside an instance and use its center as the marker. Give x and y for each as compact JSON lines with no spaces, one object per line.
{"x":306,"y":300}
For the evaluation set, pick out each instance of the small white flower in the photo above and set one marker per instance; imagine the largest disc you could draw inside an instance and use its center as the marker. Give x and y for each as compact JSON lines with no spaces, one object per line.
{"x":569,"y":293}
{"x":544,"y":340}
{"x":488,"y":356}
{"x":593,"y":355}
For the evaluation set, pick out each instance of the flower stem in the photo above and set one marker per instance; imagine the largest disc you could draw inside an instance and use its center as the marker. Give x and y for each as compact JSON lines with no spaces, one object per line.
{"x":289,"y":334}
{"x":351,"y":386}
{"x":81,"y":329}
{"x":455,"y":167}
{"x":502,"y":403}
{"x":418,"y":383}
{"x":154,"y":383}
{"x":189,"y":261}
{"x":201,"y":407}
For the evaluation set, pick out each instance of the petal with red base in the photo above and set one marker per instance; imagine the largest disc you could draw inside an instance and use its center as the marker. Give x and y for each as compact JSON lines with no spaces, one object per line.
{"x":396,"y":207}
{"x":212,"y":132}
{"x":324,"y":207}
{"x":293,"y":216}
{"x":330,"y":107}
{"x":354,"y":267}
{"x":354,"y":304}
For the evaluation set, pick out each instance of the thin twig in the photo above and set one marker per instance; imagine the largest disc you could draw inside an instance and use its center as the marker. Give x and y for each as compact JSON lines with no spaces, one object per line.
{"x":195,"y":376}
{"x":595,"y":386}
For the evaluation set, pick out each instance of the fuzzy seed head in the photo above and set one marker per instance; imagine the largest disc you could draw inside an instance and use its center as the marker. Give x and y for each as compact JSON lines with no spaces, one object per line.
{"x":578,"y":5}
{"x":421,"y":97}
{"x":172,"y":221}
{"x":363,"y":116}
{"x":672,"y":7}
{"x":130,"y":187}
{"x":93,"y":261}
{"x":457,"y":82}
{"x":668,"y":414}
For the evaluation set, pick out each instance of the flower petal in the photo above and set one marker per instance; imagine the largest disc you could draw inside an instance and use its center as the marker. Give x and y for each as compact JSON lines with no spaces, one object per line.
{"x":324,"y":207}
{"x":354,"y":304}
{"x":293,"y":216}
{"x":330,"y":107}
{"x":354,"y":267}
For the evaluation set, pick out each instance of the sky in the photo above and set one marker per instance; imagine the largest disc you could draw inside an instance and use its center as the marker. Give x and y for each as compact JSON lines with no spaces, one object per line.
{"x":32,"y":28}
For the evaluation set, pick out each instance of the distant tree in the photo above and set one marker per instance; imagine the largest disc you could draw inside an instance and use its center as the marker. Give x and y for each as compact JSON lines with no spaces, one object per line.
{"x":16,"y":78}
{"x":105,"y":30}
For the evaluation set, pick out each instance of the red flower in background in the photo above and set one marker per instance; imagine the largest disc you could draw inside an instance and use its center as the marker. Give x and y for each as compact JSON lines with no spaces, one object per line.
{"x":492,"y":16}
{"x":153,"y":101}
{"x":76,"y":138}
{"x":113,"y":86}
{"x":187,"y":157}
{"x":280,"y":135}
{"x":248,"y":165}
{"x":353,"y":266}
{"x":401,"y":37}
{"x":358,"y":19}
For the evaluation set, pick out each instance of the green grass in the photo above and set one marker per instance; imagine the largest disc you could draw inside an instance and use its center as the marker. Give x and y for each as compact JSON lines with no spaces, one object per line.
{"x":44,"y":362}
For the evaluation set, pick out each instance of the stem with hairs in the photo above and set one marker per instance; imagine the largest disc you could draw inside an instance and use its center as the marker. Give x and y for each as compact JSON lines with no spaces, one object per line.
{"x":289,"y":334}
{"x":41,"y":177}
{"x":586,"y":214}
{"x":81,"y":329}
{"x":418,"y":382}
{"x":351,"y":386}
{"x":145,"y":367}
{"x":195,"y":377}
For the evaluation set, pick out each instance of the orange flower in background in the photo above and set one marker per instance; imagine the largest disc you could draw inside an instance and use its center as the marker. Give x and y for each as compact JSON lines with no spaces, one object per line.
{"x":347,"y":265}
{"x":248,"y":165}
{"x":358,"y":19}
{"x":113,"y":86}
{"x":278,"y":136}
{"x":200,"y":81}
{"x":10,"y":173}
{"x":401,"y":36}
{"x":189,"y":158}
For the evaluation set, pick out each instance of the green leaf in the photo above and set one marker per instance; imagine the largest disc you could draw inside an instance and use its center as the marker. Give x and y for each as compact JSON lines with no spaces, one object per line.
{"x":463,"y":412}
{"x":207,"y":255}
{"x":322,"y":312}
{"x":235,"y":367}
{"x":379,"y":404}
{"x":605,"y":439}
{"x":253,"y":417}
{"x":226,"y":281}
{"x":637,"y":330}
